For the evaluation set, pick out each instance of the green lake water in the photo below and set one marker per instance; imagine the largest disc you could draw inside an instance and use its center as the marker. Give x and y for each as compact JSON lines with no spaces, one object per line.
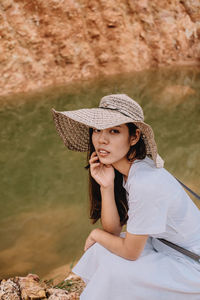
{"x":43,"y":200}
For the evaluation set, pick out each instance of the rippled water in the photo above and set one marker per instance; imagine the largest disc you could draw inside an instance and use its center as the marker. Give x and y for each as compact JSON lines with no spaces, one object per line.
{"x":43,"y":203}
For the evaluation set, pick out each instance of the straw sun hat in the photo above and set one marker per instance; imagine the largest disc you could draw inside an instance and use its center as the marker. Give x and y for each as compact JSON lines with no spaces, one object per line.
{"x":73,"y":126}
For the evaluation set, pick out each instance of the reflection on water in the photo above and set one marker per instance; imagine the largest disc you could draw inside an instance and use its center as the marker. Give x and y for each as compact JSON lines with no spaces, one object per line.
{"x":43,"y":205}
{"x":39,"y":233}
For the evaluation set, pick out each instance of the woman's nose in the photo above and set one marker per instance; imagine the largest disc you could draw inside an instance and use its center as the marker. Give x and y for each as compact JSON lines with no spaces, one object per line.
{"x":103,"y":137}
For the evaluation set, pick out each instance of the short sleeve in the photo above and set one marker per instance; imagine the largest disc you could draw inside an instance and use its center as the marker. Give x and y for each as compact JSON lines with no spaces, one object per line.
{"x":148,"y":207}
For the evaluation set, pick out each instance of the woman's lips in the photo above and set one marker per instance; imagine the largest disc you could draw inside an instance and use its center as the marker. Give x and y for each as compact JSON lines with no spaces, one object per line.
{"x":103,"y":153}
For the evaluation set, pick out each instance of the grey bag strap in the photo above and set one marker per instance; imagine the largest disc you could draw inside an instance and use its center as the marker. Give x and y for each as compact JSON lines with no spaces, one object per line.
{"x":182,"y":250}
{"x":189,"y":190}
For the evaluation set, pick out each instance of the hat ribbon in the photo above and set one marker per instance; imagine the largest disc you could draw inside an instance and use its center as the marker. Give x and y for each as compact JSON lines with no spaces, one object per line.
{"x":116,"y":109}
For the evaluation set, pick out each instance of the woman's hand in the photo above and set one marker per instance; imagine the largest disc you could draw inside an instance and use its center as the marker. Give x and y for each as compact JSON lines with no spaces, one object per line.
{"x":89,"y":241}
{"x":103,"y":174}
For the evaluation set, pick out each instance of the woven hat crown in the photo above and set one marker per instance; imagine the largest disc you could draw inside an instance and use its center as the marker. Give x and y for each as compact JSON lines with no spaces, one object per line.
{"x":123,"y":104}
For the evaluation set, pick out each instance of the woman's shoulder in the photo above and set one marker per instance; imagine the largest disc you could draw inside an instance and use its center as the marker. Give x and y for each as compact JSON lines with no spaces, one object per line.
{"x":145,"y":175}
{"x":144,"y":169}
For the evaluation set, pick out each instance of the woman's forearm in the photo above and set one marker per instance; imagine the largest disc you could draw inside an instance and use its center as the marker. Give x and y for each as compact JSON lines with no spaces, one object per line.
{"x":109,"y":214}
{"x":113,"y":243}
{"x":129,"y":247}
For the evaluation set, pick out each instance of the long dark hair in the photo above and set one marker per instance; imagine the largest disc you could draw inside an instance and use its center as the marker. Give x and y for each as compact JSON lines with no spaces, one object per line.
{"x":136,"y":151}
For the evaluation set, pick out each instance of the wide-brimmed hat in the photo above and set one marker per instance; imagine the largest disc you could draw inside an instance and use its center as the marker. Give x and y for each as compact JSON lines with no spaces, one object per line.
{"x":73,"y":126}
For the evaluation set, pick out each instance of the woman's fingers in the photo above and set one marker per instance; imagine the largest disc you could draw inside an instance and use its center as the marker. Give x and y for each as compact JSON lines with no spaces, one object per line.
{"x":89,"y":242}
{"x":93,"y":158}
{"x":93,"y":154}
{"x":94,"y":165}
{"x":95,"y":168}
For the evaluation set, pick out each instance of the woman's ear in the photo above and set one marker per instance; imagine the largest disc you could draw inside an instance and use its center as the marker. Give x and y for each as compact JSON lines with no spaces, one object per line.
{"x":136,"y":137}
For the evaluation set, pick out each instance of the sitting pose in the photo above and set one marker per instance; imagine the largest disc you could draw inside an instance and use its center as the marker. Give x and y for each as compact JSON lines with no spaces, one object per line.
{"x":129,"y":185}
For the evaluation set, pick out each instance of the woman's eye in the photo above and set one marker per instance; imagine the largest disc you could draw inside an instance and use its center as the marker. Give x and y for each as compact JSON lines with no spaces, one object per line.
{"x":114,"y":131}
{"x":96,"y":130}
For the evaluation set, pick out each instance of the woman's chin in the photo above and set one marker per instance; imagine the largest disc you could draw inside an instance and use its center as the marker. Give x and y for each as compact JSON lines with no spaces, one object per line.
{"x":105,"y":161}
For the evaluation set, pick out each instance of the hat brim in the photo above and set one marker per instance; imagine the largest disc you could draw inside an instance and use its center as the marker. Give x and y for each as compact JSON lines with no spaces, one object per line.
{"x":97,"y":117}
{"x":73,"y":127}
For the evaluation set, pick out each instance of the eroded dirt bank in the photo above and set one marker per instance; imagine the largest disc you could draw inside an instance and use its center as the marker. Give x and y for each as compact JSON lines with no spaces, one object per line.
{"x":57,"y":41}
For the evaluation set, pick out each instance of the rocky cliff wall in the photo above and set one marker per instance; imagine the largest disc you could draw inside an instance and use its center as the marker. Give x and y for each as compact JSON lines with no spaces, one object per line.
{"x":57,"y":41}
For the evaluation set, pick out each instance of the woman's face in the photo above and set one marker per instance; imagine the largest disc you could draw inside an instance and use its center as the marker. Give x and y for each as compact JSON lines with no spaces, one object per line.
{"x":112,"y":144}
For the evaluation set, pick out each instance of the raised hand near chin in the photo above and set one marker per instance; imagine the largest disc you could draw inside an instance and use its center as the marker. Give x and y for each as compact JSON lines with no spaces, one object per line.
{"x":103,"y":174}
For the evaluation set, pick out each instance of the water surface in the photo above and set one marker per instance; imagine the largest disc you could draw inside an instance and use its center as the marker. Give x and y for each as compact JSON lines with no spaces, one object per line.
{"x":44,"y":204}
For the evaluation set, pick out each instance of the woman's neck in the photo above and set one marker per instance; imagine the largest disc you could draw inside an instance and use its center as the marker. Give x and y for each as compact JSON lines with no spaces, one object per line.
{"x":123,"y":166}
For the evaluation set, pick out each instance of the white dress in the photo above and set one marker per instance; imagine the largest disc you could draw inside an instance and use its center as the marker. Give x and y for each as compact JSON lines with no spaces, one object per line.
{"x":159,"y":207}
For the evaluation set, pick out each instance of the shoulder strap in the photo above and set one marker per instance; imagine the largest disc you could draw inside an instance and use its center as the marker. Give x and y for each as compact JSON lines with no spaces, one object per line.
{"x":189,"y":190}
{"x":188,"y":253}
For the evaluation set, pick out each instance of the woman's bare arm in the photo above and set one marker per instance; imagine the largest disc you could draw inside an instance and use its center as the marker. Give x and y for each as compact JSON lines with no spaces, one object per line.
{"x":129,"y":247}
{"x":110,"y":219}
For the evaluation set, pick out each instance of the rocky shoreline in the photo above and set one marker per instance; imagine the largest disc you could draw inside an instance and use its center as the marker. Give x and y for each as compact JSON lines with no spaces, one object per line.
{"x":31,"y":287}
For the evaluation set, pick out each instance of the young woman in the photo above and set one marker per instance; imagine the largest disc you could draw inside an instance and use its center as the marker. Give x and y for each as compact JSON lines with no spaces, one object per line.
{"x":129,"y":185}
